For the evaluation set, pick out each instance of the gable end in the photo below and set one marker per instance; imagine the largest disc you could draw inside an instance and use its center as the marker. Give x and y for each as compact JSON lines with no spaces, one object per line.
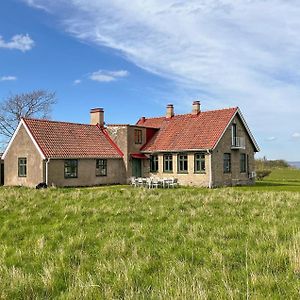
{"x":22,"y":123}
{"x":239,"y":113}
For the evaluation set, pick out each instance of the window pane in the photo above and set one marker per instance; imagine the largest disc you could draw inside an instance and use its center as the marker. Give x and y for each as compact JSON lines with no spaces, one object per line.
{"x":199,"y":162}
{"x":71,"y":168}
{"x":138,"y":136}
{"x":153,"y":163}
{"x":227,"y":163}
{"x":182,"y":163}
{"x":243,"y":163}
{"x":101,"y":167}
{"x":168,"y":163}
{"x":22,"y":167}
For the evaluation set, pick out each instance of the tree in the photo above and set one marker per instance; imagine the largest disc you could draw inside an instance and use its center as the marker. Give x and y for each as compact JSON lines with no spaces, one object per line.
{"x":35,"y":104}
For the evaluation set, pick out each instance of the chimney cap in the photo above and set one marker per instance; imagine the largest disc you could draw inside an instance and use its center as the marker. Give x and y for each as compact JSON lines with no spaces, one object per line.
{"x":196,"y":102}
{"x":170,"y":105}
{"x":98,"y":109}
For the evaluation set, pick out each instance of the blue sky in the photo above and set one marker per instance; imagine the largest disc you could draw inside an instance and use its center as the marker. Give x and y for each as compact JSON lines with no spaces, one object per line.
{"x":134,"y":59}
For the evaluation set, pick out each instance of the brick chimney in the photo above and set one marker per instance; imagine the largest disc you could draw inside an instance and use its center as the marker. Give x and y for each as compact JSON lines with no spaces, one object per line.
{"x":97,"y":116}
{"x":170,"y":111}
{"x":196,"y":108}
{"x":142,"y":120}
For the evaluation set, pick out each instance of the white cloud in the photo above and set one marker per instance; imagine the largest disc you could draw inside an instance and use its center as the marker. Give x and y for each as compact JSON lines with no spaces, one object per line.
{"x":8,"y":78}
{"x":108,"y":76}
{"x":34,"y":4}
{"x":296,"y":135}
{"x":19,"y":42}
{"x":241,"y":52}
{"x":271,"y":138}
{"x":77,"y":81}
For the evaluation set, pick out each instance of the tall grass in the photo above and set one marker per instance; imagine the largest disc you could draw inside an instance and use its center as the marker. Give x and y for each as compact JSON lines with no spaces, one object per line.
{"x":126,"y":243}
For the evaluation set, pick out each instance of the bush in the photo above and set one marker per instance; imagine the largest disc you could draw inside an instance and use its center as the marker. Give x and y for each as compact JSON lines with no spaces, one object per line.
{"x":261,"y":174}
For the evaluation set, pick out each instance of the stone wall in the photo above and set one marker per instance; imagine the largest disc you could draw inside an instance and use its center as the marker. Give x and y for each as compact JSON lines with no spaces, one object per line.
{"x":235,"y":177}
{"x":189,"y":178}
{"x":123,"y":136}
{"x":116,"y":173}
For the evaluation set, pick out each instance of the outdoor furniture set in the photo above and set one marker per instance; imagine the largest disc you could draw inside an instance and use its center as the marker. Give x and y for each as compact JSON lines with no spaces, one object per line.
{"x":154,"y":182}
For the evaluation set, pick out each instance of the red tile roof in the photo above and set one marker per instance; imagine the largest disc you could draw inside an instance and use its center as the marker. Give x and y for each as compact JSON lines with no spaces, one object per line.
{"x":188,"y":132}
{"x":71,"y":140}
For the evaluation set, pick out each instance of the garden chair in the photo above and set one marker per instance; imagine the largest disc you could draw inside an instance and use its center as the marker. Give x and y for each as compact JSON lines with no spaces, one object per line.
{"x":148,"y":183}
{"x":133,"y":181}
{"x":155,"y":183}
{"x":140,"y":182}
{"x":173,"y":183}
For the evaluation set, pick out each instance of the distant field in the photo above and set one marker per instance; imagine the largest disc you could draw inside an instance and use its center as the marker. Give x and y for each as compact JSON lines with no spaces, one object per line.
{"x":285,"y":175}
{"x":125,"y":243}
{"x":286,"y":179}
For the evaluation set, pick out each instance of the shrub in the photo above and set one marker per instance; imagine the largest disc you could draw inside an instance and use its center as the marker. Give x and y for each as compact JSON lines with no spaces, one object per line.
{"x":261,"y":174}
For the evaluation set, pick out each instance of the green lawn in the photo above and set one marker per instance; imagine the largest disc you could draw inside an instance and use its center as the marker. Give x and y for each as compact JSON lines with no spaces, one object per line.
{"x":286,"y":179}
{"x":125,"y":243}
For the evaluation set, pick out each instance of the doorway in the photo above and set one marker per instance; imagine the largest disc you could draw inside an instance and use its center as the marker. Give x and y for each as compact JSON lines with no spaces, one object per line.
{"x":136,"y":167}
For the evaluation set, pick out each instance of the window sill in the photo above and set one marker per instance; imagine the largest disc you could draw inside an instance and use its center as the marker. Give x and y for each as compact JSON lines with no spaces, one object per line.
{"x":170,"y":172}
{"x":71,"y":177}
{"x":101,"y":175}
{"x":182,"y":172}
{"x":200,"y":173}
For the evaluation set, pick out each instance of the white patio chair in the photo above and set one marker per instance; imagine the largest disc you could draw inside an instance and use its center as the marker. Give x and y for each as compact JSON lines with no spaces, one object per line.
{"x":140,"y":182}
{"x":133,"y":181}
{"x":148,"y":183}
{"x":173,"y":183}
{"x":166,"y":182}
{"x":155,"y":183}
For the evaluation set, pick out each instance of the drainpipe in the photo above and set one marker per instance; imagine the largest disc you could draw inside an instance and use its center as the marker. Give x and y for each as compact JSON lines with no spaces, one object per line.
{"x":210,"y":184}
{"x":47,"y":170}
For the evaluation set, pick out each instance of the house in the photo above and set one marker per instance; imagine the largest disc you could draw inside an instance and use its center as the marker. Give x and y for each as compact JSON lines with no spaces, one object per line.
{"x":205,"y":148}
{"x":63,"y":154}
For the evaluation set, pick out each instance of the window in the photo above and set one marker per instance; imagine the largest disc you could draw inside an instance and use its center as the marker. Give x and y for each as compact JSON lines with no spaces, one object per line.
{"x":243,"y":163}
{"x":101,"y":167}
{"x":22,"y":167}
{"x":168,"y":163}
{"x":138,"y":136}
{"x":233,"y":134}
{"x":227,"y":163}
{"x":153,"y":163}
{"x":199,"y":163}
{"x":71,"y":168}
{"x":182,"y":163}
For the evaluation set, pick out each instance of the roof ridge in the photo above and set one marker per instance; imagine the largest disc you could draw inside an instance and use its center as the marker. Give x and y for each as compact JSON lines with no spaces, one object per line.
{"x":52,"y":121}
{"x":187,"y":114}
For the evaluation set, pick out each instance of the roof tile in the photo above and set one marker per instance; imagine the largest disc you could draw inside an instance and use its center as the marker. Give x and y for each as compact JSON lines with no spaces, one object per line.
{"x":188,"y":132}
{"x":71,"y":140}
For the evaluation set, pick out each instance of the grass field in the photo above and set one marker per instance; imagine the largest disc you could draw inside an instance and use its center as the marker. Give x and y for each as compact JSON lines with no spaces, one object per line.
{"x":125,"y":243}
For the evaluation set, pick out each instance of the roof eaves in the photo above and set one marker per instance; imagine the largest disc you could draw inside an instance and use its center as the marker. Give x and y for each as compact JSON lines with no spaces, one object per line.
{"x":34,"y":139}
{"x":248,"y":130}
{"x":229,"y":122}
{"x":176,"y":150}
{"x":22,"y":122}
